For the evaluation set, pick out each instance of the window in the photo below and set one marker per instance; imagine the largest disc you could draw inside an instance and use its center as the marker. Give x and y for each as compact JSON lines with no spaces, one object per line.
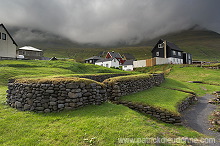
{"x":3,"y":36}
{"x":179,"y":53}
{"x":174,"y":52}
{"x":114,"y":60}
{"x":0,"y":35}
{"x":157,"y":53}
{"x":189,"y":56}
{"x":106,"y":65}
{"x":89,"y":60}
{"x":160,"y":45}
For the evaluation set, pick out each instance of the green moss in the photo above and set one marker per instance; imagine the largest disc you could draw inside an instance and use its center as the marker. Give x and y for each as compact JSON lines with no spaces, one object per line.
{"x":127,"y":78}
{"x":57,"y":80}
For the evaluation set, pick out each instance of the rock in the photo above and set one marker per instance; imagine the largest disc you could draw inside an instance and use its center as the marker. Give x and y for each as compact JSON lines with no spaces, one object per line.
{"x":50,"y":91}
{"x":18,"y":104}
{"x":47,"y":110}
{"x":53,"y":103}
{"x":72,"y":86}
{"x":27,"y":107}
{"x":61,"y":105}
{"x":39,"y":108}
{"x":87,"y":94}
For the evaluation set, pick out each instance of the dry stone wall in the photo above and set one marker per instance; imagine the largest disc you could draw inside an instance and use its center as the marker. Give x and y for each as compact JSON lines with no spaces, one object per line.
{"x":48,"y":97}
{"x":122,"y":87}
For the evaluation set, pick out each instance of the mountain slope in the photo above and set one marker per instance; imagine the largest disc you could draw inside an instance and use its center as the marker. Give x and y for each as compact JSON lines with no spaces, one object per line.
{"x":201,"y":43}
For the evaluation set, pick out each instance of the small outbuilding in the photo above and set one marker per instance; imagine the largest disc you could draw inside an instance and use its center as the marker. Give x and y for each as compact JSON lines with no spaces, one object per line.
{"x":30,"y":52}
{"x":128,"y":65}
{"x":92,"y":60}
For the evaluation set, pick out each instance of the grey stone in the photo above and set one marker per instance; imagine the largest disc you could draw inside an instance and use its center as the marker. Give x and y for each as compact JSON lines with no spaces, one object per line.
{"x":72,"y":86}
{"x":18,"y":104}
{"x":53,"y":103}
{"x":61,"y":105}
{"x":27,"y":107}
{"x":39,"y":108}
{"x":47,"y":110}
{"x":50,"y":91}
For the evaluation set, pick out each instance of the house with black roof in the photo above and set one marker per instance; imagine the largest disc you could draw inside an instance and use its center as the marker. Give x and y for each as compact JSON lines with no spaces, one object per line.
{"x":8,"y":46}
{"x":166,"y":52}
{"x":92,"y":60}
{"x":128,"y":56}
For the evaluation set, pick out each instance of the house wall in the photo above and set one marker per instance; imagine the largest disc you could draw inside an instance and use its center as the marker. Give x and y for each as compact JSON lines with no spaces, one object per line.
{"x":7,"y":47}
{"x":113,"y":63}
{"x":168,"y":60}
{"x":127,"y":67}
{"x":28,"y":54}
{"x":140,"y":63}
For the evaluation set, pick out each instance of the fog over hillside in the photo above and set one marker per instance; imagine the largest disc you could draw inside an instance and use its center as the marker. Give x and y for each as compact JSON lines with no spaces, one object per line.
{"x":106,"y":21}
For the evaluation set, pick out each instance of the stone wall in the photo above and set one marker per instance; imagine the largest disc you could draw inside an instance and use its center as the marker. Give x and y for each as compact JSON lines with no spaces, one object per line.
{"x":49,"y":97}
{"x":187,"y":102}
{"x":161,"y":115}
{"x":71,"y":93}
{"x":131,"y":84}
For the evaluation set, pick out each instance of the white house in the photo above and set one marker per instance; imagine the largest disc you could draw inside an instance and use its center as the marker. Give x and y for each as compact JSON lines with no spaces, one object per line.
{"x":128,"y":65}
{"x":110,"y":62}
{"x":7,"y":44}
{"x":30,"y":52}
{"x":140,"y":63}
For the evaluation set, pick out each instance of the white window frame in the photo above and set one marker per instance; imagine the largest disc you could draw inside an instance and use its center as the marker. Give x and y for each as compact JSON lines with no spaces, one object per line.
{"x":160,"y":45}
{"x":179,"y":53}
{"x":174,"y":52}
{"x":4,"y":36}
{"x":158,"y":53}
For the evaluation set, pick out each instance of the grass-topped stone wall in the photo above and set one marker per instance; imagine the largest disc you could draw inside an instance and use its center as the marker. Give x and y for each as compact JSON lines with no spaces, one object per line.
{"x":48,"y":95}
{"x":56,"y":94}
{"x":125,"y":85}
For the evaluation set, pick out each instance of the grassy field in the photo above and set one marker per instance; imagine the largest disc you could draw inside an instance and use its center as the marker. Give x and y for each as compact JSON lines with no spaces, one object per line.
{"x":92,"y":125}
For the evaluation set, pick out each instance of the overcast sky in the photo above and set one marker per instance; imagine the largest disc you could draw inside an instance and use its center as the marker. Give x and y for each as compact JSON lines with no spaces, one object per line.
{"x":109,"y":21}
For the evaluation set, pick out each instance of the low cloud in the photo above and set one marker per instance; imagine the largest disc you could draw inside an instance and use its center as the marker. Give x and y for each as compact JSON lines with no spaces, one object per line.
{"x":108,"y":21}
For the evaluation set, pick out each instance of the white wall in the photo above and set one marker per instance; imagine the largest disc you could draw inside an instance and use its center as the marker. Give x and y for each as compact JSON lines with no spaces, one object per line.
{"x":7,"y":48}
{"x":113,"y":63}
{"x":140,"y":63}
{"x":127,"y":67}
{"x":168,"y":61}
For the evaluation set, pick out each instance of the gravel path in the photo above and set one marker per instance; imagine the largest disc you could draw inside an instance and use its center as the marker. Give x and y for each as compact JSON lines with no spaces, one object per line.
{"x":196,"y":117}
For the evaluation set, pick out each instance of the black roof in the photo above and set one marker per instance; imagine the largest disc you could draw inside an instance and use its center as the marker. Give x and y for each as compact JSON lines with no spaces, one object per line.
{"x":129,"y":56}
{"x":8,"y":34}
{"x":115,"y":55}
{"x":105,"y":59}
{"x":128,"y":62}
{"x":169,"y":44}
{"x":173,"y":46}
{"x":94,"y":57}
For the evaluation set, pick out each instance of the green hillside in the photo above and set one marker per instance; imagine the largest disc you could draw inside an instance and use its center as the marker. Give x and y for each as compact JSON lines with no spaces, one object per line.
{"x":202,"y":44}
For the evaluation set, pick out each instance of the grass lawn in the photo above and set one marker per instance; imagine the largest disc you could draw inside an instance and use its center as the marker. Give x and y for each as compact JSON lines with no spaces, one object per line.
{"x":100,"y":125}
{"x":158,"y":97}
{"x":97,"y":125}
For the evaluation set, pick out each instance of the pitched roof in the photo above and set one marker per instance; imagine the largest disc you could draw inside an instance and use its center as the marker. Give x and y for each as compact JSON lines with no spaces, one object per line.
{"x":173,"y":46}
{"x":169,"y":44}
{"x":105,"y":59}
{"x":115,"y":55}
{"x":94,"y":57}
{"x":128,"y":62}
{"x":129,"y":56}
{"x":29,"y":48}
{"x":8,"y":34}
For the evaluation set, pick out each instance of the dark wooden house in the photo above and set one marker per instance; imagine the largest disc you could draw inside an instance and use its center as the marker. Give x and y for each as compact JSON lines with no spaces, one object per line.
{"x":167,"y":53}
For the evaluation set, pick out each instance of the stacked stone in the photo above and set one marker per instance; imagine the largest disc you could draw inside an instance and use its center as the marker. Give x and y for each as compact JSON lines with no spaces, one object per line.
{"x":54,"y":97}
{"x":186,"y":103}
{"x":161,"y":115}
{"x":121,"y":88}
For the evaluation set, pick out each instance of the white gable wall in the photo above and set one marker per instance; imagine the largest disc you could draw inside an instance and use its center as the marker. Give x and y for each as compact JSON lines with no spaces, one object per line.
{"x":113,"y":63}
{"x":7,"y":47}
